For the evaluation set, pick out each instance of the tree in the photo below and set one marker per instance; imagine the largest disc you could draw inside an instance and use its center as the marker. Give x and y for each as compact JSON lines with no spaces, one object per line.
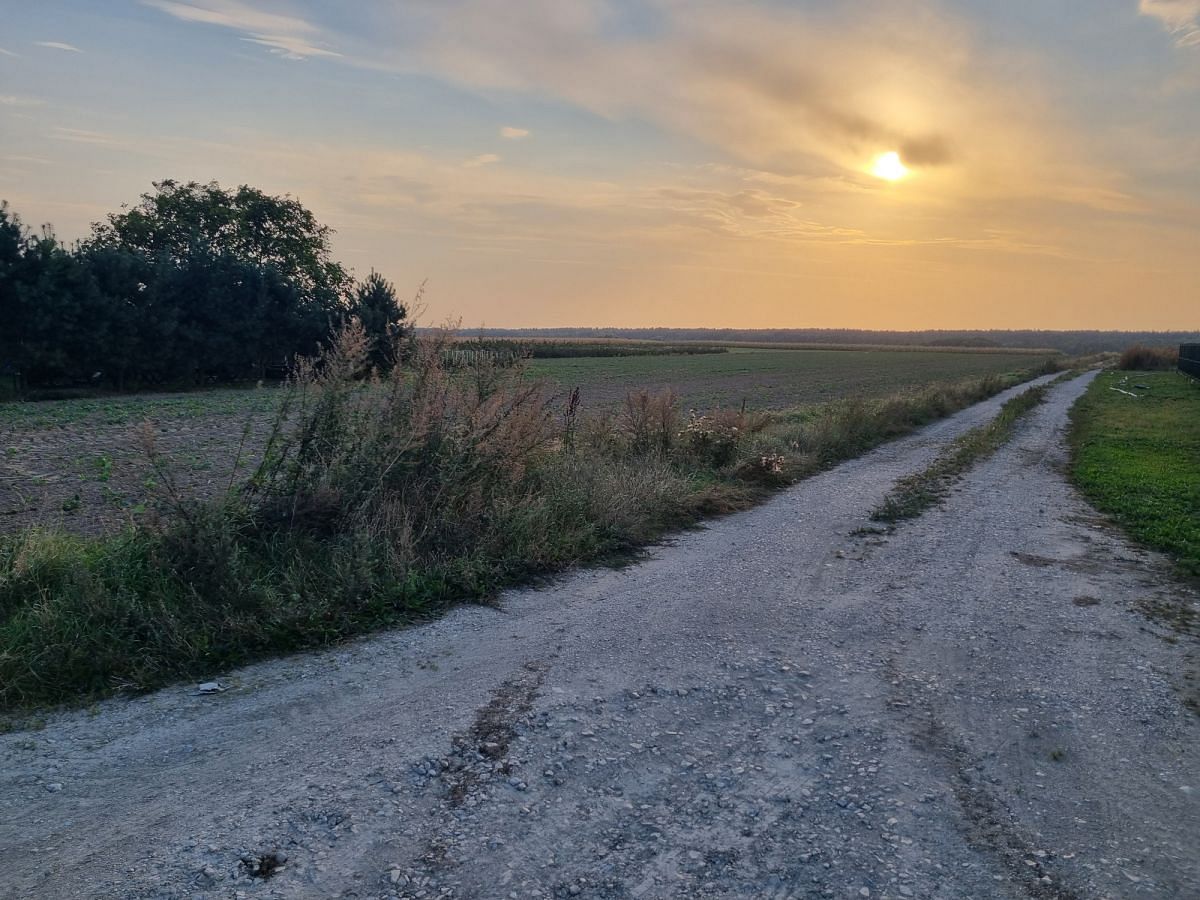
{"x":383,"y":318}
{"x":194,"y":284}
{"x":178,"y":220}
{"x":49,"y":307}
{"x":245,"y":280}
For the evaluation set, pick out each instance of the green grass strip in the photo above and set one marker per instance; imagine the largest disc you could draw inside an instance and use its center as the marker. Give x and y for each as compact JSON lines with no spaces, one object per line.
{"x":1137,"y":458}
{"x":916,"y":493}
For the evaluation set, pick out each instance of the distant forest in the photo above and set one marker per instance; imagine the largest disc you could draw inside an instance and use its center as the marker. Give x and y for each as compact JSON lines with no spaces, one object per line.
{"x":1073,"y":342}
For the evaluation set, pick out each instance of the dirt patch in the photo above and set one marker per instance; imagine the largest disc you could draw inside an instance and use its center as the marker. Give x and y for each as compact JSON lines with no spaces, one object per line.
{"x":480,"y":752}
{"x":90,"y":478}
{"x":1085,"y":565}
{"x":989,"y":824}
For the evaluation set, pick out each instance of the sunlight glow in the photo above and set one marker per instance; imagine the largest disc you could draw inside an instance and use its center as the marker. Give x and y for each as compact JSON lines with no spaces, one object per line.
{"x":889,"y":167}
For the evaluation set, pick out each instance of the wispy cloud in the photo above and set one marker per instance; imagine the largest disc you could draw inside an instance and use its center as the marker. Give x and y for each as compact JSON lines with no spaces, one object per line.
{"x":1180,"y":17}
{"x":510,"y":133}
{"x":484,"y":159}
{"x":82,"y":136}
{"x":58,"y":45}
{"x":289,"y":47}
{"x":780,"y":88}
{"x":10,"y":100}
{"x":4,"y":52}
{"x":289,"y":37}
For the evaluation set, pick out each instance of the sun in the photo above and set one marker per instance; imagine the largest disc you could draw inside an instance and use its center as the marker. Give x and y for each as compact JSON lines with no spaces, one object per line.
{"x":889,"y":167}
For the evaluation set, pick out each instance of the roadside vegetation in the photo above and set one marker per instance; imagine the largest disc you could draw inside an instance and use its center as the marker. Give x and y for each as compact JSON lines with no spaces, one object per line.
{"x":1136,"y":456}
{"x":381,"y":498}
{"x":913,"y":495}
{"x":1140,"y":358}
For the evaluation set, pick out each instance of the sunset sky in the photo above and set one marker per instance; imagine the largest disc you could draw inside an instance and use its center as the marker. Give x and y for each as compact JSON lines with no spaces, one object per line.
{"x":600,"y":162}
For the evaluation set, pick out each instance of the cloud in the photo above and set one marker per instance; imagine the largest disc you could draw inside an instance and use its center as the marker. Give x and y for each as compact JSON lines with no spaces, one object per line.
{"x":10,"y":100}
{"x":82,"y":136}
{"x":4,"y":52}
{"x":289,"y":37}
{"x":1180,"y":17}
{"x":290,"y":48}
{"x":484,"y":159}
{"x":508,"y":132}
{"x":783,"y":89}
{"x":58,"y":45}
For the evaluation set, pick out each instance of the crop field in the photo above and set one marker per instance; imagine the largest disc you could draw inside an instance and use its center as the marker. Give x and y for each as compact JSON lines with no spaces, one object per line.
{"x":769,"y":379}
{"x":83,"y":464}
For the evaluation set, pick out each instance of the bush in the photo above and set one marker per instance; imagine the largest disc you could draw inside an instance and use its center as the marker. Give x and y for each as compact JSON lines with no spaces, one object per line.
{"x":650,"y":421}
{"x":1140,"y":358}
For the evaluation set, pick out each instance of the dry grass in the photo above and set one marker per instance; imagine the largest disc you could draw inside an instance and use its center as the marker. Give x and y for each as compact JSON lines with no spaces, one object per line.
{"x":1140,"y":358}
{"x":381,"y":500}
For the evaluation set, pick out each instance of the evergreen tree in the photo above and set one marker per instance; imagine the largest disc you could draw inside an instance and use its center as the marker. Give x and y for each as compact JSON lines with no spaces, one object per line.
{"x":383,"y":318}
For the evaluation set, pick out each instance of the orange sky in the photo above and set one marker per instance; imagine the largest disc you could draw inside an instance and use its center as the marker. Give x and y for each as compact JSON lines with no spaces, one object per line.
{"x":601,"y":162}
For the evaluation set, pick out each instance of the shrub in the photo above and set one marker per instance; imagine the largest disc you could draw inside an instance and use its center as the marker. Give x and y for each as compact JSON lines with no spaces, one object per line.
{"x":715,"y":439}
{"x":650,"y":421}
{"x":1140,"y":358}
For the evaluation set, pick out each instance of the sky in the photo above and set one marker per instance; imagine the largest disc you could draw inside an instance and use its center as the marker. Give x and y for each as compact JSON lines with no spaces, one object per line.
{"x":687,"y":163}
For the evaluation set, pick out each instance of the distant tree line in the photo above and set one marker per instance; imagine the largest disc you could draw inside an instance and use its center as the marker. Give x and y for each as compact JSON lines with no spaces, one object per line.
{"x":1073,"y":342}
{"x":195,"y":284}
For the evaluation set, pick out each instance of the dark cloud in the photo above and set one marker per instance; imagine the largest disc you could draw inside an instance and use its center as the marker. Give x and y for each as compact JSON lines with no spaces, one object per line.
{"x":932,"y":150}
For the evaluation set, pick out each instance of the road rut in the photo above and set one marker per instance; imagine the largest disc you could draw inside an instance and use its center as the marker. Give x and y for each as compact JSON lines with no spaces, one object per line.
{"x":771,"y":706}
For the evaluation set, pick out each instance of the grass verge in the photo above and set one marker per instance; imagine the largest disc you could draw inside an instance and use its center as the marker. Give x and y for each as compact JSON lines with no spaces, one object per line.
{"x":916,"y":493}
{"x":380,"y":502}
{"x":1136,"y":456}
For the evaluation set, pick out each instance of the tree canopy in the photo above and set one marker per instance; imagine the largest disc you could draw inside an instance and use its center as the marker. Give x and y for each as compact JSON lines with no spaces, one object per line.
{"x":195,"y":283}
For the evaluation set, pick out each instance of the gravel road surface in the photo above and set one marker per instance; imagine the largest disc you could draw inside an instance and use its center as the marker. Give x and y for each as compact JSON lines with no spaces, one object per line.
{"x":773,"y":706}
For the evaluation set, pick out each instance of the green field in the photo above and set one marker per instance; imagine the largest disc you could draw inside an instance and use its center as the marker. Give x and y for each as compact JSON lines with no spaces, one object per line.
{"x":1138,"y":458}
{"x":770,"y":379}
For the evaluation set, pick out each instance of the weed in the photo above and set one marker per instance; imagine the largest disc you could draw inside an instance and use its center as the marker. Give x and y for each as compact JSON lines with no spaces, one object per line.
{"x":381,"y":500}
{"x":1140,"y":358}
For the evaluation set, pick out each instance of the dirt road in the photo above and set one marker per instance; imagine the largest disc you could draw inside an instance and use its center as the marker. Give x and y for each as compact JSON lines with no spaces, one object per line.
{"x":769,"y":707}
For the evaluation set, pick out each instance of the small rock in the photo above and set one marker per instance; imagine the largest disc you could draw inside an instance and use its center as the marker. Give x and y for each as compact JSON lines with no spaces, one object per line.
{"x":210,"y":687}
{"x":54,"y":787}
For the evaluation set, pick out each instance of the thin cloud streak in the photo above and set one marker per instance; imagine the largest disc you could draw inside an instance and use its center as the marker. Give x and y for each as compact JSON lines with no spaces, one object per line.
{"x":82,"y":136}
{"x":288,"y":37}
{"x":58,"y":45}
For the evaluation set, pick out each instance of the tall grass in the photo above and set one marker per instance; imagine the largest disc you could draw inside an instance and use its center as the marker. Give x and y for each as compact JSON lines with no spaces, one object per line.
{"x":1140,"y":358}
{"x":381,"y":500}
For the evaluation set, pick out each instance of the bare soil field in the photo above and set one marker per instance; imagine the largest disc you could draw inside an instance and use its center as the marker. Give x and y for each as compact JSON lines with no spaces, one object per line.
{"x":81,"y":464}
